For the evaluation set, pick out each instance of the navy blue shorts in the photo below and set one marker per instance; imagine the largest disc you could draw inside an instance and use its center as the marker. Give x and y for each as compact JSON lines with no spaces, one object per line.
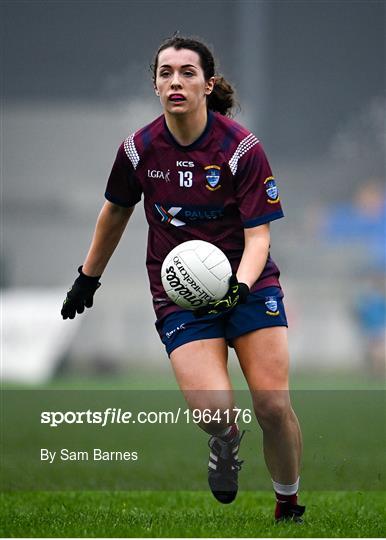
{"x":263,"y":308}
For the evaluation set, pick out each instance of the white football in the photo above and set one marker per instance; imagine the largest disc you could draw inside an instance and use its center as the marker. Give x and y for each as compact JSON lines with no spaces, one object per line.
{"x":194,"y":273}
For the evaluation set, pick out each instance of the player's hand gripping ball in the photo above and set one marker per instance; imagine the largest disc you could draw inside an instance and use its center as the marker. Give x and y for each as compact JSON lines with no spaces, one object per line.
{"x":236,"y":294}
{"x":80,"y":295}
{"x":195,"y":273}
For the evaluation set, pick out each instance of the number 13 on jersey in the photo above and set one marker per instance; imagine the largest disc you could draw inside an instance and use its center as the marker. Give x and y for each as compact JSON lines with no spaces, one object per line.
{"x":186,"y":178}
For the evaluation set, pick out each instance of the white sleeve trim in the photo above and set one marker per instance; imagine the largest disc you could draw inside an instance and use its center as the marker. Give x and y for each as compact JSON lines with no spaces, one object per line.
{"x":131,"y":150}
{"x":243,"y":147}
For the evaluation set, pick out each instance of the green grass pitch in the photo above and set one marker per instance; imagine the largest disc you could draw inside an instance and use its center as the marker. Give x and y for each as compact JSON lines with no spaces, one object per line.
{"x":330,"y":513}
{"x":187,"y":514}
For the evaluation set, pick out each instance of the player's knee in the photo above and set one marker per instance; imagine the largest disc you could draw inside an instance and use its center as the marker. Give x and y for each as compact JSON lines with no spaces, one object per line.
{"x":272,"y":409}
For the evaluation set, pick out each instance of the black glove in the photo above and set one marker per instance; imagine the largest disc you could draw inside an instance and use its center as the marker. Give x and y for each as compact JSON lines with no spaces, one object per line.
{"x":80,"y":295}
{"x":237,"y":294}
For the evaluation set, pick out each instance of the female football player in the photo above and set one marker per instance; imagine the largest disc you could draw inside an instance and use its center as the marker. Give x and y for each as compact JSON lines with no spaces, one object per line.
{"x":204,"y":176}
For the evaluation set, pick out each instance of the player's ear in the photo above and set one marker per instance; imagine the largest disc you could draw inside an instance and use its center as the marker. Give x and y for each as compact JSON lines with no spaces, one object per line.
{"x":209,"y":85}
{"x":156,"y":91}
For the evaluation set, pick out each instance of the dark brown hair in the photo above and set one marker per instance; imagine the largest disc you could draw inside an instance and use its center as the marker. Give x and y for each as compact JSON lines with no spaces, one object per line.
{"x":222,"y":98}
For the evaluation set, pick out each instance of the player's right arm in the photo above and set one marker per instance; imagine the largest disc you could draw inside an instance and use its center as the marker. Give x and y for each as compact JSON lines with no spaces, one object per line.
{"x":122,"y":193}
{"x":109,"y":228}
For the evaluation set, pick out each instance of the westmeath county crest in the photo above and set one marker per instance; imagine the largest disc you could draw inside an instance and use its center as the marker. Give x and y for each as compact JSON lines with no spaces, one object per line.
{"x":212,"y":176}
{"x":271,"y":190}
{"x":271,"y":305}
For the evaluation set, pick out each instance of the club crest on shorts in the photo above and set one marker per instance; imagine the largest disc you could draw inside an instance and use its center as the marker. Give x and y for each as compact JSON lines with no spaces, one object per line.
{"x":271,"y":305}
{"x":271,"y":190}
{"x":212,"y":175}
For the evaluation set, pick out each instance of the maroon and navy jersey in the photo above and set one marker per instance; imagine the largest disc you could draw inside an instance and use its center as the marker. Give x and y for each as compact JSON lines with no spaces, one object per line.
{"x":210,"y":190}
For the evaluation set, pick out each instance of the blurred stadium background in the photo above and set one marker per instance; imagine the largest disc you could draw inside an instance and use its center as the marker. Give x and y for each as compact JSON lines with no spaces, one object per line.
{"x":310,"y":78}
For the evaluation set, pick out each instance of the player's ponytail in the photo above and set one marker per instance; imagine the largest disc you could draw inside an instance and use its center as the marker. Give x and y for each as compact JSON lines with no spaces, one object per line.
{"x":222,"y":99}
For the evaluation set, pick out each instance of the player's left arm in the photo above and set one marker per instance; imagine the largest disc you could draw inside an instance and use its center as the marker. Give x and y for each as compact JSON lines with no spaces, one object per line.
{"x":255,"y":254}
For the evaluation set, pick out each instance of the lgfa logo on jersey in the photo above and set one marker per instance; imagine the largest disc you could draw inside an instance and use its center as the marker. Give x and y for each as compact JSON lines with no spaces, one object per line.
{"x":271,"y":190}
{"x":271,"y":305}
{"x":212,"y":176}
{"x":159,"y":174}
